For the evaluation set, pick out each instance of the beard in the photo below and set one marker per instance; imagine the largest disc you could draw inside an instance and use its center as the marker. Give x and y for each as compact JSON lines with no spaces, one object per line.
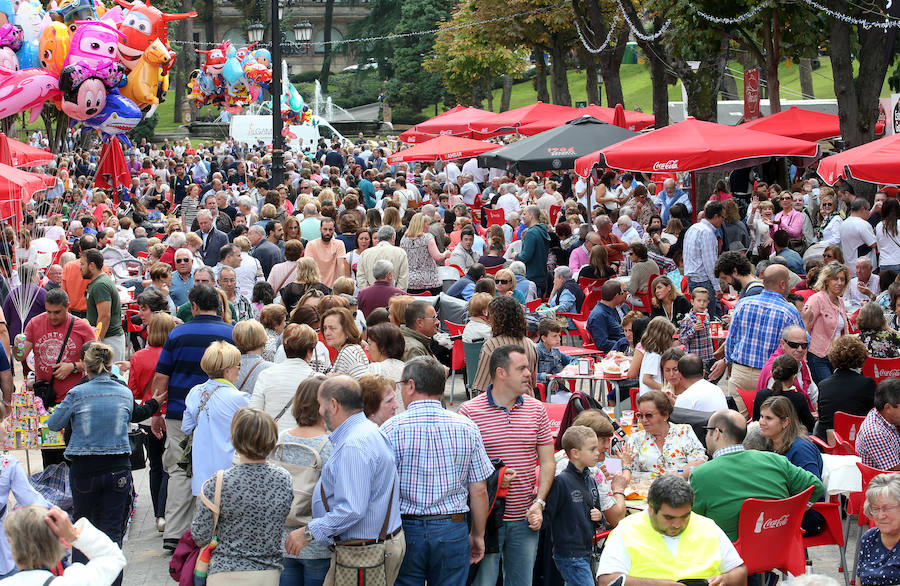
{"x":327,"y":238}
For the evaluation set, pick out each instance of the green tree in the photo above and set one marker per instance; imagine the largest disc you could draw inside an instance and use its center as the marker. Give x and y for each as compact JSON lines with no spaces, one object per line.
{"x":467,"y":62}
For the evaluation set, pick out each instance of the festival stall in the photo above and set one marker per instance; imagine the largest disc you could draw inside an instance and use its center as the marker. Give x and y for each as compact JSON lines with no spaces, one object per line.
{"x":454,"y":121}
{"x":509,"y":122}
{"x":442,"y":148}
{"x":18,"y":154}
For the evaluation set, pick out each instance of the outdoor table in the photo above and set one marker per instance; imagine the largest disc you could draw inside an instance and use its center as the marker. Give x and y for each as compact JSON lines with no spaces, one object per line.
{"x":575,"y":351}
{"x":840,"y":475}
{"x":593,"y":378}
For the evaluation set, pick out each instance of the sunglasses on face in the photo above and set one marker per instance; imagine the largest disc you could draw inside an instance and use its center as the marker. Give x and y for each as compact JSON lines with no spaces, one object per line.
{"x":181,"y":260}
{"x":796,"y":345}
{"x":827,"y":205}
{"x":503,"y":281}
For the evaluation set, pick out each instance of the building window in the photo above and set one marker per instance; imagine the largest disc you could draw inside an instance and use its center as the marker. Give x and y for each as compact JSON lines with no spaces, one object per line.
{"x":319,"y":37}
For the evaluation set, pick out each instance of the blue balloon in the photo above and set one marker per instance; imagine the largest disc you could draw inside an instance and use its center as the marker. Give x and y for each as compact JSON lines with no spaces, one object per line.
{"x":29,"y":55}
{"x":233,"y":70}
{"x":116,"y":118}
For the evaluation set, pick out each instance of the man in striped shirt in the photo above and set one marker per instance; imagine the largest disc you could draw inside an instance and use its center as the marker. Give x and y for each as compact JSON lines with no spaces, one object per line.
{"x":515,"y":428}
{"x":441,"y":461}
{"x":179,"y":369}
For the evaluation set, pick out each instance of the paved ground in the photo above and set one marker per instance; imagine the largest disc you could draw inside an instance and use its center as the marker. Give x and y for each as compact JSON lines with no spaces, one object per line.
{"x":148,"y":563}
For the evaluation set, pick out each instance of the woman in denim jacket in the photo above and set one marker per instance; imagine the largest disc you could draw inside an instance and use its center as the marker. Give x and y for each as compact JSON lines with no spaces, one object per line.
{"x":98,"y":412}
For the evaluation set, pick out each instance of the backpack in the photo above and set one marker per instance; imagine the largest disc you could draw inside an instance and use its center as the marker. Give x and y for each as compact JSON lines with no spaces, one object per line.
{"x":305,"y":479}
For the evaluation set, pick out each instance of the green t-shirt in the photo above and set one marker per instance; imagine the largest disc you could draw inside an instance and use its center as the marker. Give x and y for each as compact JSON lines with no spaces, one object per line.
{"x":185,"y":315}
{"x":102,"y":289}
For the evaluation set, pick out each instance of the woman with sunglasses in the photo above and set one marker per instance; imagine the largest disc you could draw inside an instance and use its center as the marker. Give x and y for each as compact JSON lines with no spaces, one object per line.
{"x":825,"y":317}
{"x":506,"y":285}
{"x":829,"y":226}
{"x":789,"y":219}
{"x":662,"y":446}
{"x":784,"y":374}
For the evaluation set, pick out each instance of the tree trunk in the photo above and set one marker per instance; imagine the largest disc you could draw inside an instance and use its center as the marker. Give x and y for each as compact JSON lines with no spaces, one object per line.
{"x":489,"y":92}
{"x":806,"y":82}
{"x":660,"y":85}
{"x":326,"y":58}
{"x":559,"y":82}
{"x":590,"y":74}
{"x":182,"y":67}
{"x":772,"y":39}
{"x":210,"y":24}
{"x":540,"y":74}
{"x":477,"y":99}
{"x":507,"y":92}
{"x":702,"y":86}
{"x":610,"y":64}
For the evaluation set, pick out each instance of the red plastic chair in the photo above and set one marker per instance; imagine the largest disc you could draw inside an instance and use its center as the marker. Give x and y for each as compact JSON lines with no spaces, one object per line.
{"x":461,"y":272}
{"x":587,"y":284}
{"x":590,"y":301}
{"x":492,"y":270}
{"x":832,"y":535}
{"x":645,"y":297}
{"x":581,"y":326}
{"x":762,"y":524}
{"x":130,"y":326}
{"x":142,"y":254}
{"x":495,"y":217}
{"x":457,"y":354}
{"x":554,"y":213}
{"x":555,"y":413}
{"x":748,"y":396}
{"x":846,"y":427}
{"x":533,"y":305}
{"x":879,"y":369}
{"x":422,"y":294}
{"x":633,"y":393}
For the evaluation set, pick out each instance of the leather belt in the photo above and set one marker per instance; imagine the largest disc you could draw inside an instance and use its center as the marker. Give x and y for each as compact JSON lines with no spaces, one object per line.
{"x":360,"y":542}
{"x":455,"y":517}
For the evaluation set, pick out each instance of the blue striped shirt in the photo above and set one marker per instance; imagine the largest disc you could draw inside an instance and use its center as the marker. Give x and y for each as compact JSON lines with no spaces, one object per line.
{"x":756,"y":326}
{"x":358,"y":479}
{"x":181,"y":354}
{"x":439,"y":453}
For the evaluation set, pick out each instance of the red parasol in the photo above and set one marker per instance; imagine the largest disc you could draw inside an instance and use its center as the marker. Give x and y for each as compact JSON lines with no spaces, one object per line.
{"x":619,"y":117}
{"x":413,"y":136}
{"x":801,"y":123}
{"x":695,"y":145}
{"x":633,"y":120}
{"x":509,"y":122}
{"x":18,"y":154}
{"x":442,"y":148}
{"x":17,"y":186}
{"x":112,"y":170}
{"x":874,"y":162}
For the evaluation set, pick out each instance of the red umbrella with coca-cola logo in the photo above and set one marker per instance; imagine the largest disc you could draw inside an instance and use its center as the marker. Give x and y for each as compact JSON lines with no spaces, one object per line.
{"x":695,"y":145}
{"x":442,"y":148}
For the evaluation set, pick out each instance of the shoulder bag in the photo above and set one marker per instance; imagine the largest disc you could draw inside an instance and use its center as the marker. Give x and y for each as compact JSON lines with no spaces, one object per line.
{"x":358,"y":562}
{"x":305,"y":478}
{"x":189,"y":565}
{"x":43,"y":389}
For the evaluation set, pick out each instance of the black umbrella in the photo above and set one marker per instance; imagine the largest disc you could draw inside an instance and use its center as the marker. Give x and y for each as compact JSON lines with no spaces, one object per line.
{"x":557,"y":148}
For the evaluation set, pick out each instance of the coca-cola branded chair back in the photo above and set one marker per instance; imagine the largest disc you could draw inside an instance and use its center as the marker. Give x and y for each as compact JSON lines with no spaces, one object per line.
{"x":762,"y":524}
{"x":879,"y":369}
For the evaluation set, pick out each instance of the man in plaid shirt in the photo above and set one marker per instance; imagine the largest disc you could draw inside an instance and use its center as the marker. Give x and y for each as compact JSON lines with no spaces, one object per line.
{"x":441,"y":462}
{"x":878,"y":440}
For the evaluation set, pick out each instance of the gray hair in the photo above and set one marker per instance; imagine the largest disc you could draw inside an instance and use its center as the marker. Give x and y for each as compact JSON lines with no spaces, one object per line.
{"x":885,"y":486}
{"x":517,"y":267}
{"x":386,"y":234}
{"x":140,"y":232}
{"x":562,"y":272}
{"x":382,"y":268}
{"x":755,"y":440}
{"x":670,"y":489}
{"x":245,"y":201}
{"x":602,"y":220}
{"x":121,"y":240}
{"x":427,"y":373}
{"x":258,"y":230}
{"x":208,"y":271}
{"x":865,"y":260}
{"x":625,"y":219}
{"x":344,"y":390}
{"x":177,"y":240}
{"x":310,"y":209}
{"x":204,"y":213}
{"x":75,"y":225}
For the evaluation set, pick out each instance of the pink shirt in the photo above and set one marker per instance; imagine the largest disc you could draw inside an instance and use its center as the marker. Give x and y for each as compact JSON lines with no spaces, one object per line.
{"x":791,"y":222}
{"x":327,"y":257}
{"x":824,"y":324}
{"x":578,"y":259}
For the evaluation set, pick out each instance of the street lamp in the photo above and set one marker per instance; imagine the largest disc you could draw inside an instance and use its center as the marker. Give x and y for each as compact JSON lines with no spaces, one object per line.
{"x":277,"y":10}
{"x":256,"y":31}
{"x":303,"y":31}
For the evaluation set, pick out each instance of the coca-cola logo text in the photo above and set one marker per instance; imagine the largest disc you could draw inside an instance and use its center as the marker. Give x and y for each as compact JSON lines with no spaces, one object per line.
{"x":670,"y":165}
{"x":775,"y":523}
{"x":887,"y":373}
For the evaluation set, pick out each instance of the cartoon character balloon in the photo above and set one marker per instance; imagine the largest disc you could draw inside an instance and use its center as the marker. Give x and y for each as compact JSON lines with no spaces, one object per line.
{"x":142,"y":25}
{"x":84,"y":85}
{"x":30,"y":17}
{"x":54,"y":46}
{"x":145,"y":78}
{"x":26,"y":90}
{"x":93,"y":42}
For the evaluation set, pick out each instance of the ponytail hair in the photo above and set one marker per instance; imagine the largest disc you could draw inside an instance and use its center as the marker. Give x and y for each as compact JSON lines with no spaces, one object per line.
{"x":783,"y":368}
{"x":98,"y":358}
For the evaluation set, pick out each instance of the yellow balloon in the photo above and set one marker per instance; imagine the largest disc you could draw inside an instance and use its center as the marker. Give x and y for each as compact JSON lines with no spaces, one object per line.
{"x":144,"y":79}
{"x":54,"y":46}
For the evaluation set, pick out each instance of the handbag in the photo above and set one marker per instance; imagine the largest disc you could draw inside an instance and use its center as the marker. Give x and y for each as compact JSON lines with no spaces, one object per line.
{"x":305,"y":478}
{"x":138,"y":453}
{"x":190,"y":562}
{"x":43,"y":389}
{"x":357,"y":563}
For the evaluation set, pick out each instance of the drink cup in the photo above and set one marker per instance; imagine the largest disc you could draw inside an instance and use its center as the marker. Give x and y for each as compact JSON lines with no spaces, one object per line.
{"x":714,"y":328}
{"x":702,"y":318}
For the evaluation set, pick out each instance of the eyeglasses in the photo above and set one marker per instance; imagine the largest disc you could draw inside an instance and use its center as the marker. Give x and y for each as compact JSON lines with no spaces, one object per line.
{"x":640,"y":415}
{"x":826,"y":204}
{"x":796,"y":345}
{"x":884,"y":509}
{"x":711,"y":428}
{"x":787,"y":199}
{"x":181,"y":260}
{"x":503,"y":281}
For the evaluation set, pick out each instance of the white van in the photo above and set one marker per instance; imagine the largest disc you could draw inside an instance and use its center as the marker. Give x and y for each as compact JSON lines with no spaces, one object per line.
{"x":253,"y":128}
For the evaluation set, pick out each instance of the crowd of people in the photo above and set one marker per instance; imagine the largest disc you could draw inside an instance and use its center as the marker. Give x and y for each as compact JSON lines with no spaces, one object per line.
{"x":297,"y":337}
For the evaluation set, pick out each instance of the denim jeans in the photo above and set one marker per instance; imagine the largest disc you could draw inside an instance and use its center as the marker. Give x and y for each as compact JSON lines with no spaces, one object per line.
{"x":299,"y":572}
{"x":518,"y":548}
{"x":575,"y":571}
{"x":159,"y":480}
{"x":106,"y":501}
{"x":819,"y":368}
{"x":437,"y":552}
{"x":715,"y":305}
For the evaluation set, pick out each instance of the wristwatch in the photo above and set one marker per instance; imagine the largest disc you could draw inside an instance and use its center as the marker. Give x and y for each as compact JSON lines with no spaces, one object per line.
{"x":306,"y":534}
{"x":541,"y":502}
{"x":74,"y":367}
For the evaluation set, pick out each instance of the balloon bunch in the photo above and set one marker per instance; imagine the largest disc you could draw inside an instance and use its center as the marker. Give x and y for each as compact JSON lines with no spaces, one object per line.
{"x":293,"y":111}
{"x":231,"y":77}
{"x":99,"y":66}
